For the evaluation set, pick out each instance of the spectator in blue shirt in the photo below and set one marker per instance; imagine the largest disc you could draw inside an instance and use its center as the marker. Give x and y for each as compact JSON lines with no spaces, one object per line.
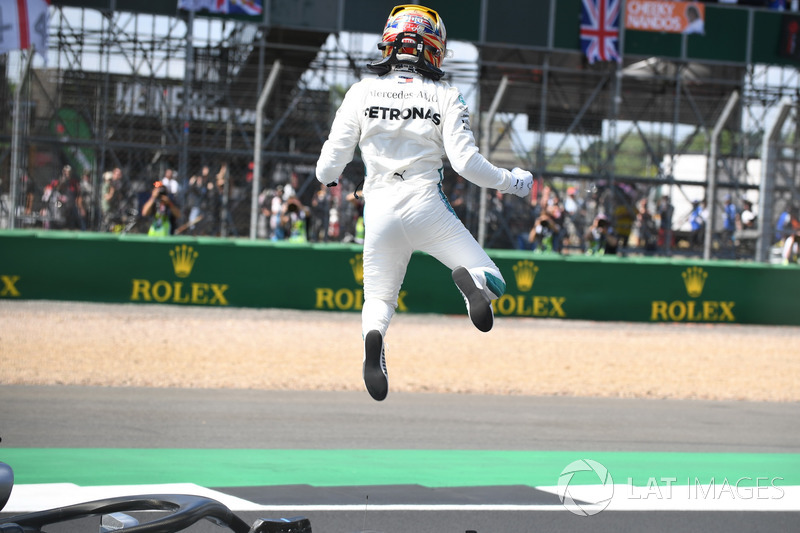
{"x":697,"y":222}
{"x":785,"y":225}
{"x":730,"y":221}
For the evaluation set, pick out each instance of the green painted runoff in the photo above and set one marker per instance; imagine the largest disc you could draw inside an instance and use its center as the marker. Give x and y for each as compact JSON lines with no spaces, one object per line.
{"x":431,"y":468}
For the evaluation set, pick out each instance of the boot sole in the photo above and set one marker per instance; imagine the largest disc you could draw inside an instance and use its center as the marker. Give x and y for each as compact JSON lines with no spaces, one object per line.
{"x":374,"y":378}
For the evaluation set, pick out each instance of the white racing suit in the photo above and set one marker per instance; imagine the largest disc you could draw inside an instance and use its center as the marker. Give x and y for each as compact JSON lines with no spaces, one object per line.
{"x":404,"y":125}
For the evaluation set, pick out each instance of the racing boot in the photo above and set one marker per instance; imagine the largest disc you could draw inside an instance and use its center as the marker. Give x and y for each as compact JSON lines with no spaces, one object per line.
{"x":479,"y":306}
{"x":376,"y":378}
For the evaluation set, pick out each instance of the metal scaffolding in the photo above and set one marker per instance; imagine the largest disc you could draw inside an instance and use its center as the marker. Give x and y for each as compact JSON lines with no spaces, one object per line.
{"x":145,"y":93}
{"x":698,"y":127}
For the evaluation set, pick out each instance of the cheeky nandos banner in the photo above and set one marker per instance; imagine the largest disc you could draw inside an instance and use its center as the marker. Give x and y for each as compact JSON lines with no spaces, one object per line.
{"x":665,"y":16}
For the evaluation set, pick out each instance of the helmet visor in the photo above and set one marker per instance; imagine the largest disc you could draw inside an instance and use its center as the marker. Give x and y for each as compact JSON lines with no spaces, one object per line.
{"x":424,"y":9}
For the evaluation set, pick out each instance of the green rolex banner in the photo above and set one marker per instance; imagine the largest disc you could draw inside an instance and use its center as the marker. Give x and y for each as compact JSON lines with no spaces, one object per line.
{"x":329,"y":277}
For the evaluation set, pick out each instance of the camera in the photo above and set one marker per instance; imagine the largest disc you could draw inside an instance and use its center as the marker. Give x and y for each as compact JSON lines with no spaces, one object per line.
{"x":160,"y":188}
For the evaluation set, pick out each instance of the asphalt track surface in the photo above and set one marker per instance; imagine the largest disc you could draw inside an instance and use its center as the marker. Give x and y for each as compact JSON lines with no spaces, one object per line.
{"x":109,"y":418}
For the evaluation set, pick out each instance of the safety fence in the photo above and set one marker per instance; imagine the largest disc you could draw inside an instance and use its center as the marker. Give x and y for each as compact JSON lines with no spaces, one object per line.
{"x":138,"y":87}
{"x":36,"y":265}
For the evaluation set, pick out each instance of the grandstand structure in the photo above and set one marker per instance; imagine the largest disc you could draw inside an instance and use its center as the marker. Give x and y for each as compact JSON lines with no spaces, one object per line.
{"x":144,"y":86}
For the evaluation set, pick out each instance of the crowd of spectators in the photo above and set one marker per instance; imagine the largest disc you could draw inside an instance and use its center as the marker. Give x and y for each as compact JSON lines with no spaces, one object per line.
{"x":330,"y":214}
{"x":623,"y":220}
{"x":209,"y":203}
{"x":598,"y":220}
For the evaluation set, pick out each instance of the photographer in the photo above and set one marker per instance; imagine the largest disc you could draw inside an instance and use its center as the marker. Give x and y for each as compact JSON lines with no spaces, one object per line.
{"x":542,"y":235}
{"x":791,"y":249}
{"x":294,"y":218}
{"x":163,"y":210}
{"x":600,"y":237}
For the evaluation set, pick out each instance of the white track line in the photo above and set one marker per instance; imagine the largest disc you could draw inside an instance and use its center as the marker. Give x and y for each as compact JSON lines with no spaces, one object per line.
{"x":30,"y":498}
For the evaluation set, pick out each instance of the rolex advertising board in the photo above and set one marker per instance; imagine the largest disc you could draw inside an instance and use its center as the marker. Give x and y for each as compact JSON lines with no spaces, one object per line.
{"x":329,"y":277}
{"x":648,"y":290}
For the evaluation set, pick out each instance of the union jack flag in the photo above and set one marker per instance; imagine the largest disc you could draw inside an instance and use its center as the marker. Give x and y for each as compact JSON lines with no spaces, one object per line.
{"x":223,"y":7}
{"x":600,"y":30}
{"x":24,"y":23}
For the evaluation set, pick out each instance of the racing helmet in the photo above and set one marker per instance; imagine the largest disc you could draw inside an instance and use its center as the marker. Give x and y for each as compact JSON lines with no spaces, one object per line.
{"x":414,"y":36}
